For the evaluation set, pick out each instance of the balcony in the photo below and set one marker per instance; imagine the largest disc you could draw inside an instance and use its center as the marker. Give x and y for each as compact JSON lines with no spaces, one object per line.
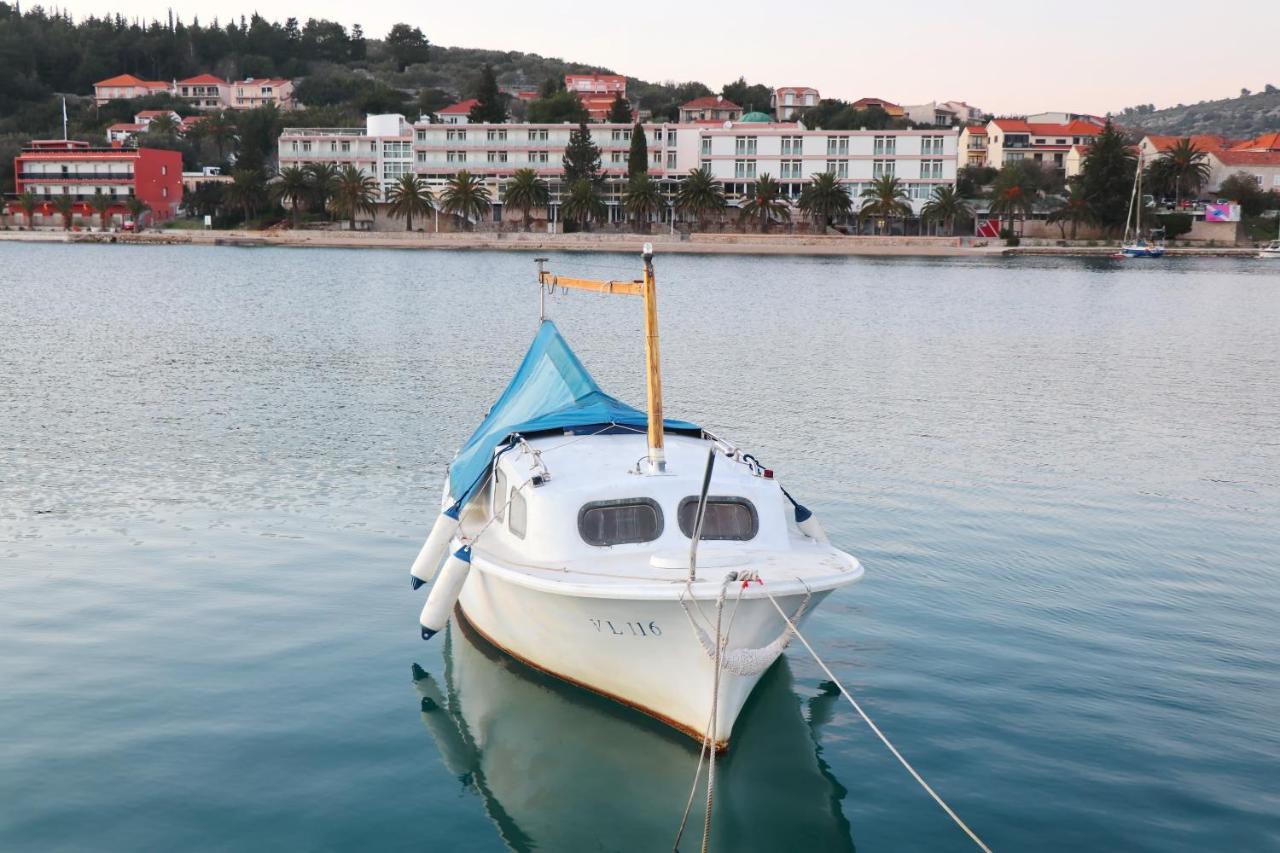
{"x":61,"y":178}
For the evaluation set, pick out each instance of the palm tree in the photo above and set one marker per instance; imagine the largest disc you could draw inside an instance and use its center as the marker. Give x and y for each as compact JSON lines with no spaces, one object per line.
{"x":137,"y":208}
{"x":1074,"y":209}
{"x":205,"y":199}
{"x":410,"y":197}
{"x":28,"y":202}
{"x":642,"y":199}
{"x":526,"y":191}
{"x":354,"y":193}
{"x":292,"y":185}
{"x":700,"y":195}
{"x":465,"y":196}
{"x":885,"y":199}
{"x":245,"y":191}
{"x":825,"y":197}
{"x":163,"y":126}
{"x":220,"y":129}
{"x":324,"y":177}
{"x":1187,"y":165}
{"x":101,"y":203}
{"x":65,"y":207}
{"x":946,"y":206}
{"x":766,"y":203}
{"x":1012,"y":201}
{"x":583,"y":203}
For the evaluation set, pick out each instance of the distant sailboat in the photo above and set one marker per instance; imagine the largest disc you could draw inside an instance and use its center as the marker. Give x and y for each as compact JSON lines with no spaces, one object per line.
{"x":1137,"y":246}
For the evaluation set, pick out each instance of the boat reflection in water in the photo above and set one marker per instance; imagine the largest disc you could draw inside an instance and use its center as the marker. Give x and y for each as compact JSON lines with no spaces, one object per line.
{"x":559,"y":768}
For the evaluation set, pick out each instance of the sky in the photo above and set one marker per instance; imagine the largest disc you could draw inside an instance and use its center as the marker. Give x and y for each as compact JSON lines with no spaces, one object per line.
{"x":1004,"y":56}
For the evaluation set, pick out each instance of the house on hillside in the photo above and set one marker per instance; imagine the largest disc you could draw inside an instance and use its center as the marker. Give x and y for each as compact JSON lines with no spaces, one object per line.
{"x":204,"y":92}
{"x":889,"y":107}
{"x":710,"y":108}
{"x":459,"y":113}
{"x":788,"y":103}
{"x":597,"y":92}
{"x":126,"y":87}
{"x":1011,"y":140}
{"x":249,"y":93}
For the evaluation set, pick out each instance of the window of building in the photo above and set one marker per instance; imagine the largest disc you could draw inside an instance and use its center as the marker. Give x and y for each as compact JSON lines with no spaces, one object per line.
{"x":657,"y":134}
{"x":615,"y":157}
{"x":345,"y":147}
{"x":306,"y":147}
{"x":621,"y":136}
{"x":606,"y":523}
{"x":837,"y":145}
{"x":705,"y":165}
{"x":744,"y":145}
{"x":496,"y":135}
{"x":792,"y":145}
{"x":1059,"y":142}
{"x":422,"y":156}
{"x":706,"y":146}
{"x":420,"y":135}
{"x":931,"y":169}
{"x":724,"y":518}
{"x":791,"y":169}
{"x":882,"y":168}
{"x":931,"y":145}
{"x":455,"y":135}
{"x":538,"y":136}
{"x":395,"y":149}
{"x":497,"y":156}
{"x":671,"y":137}
{"x":455,"y":156}
{"x":744,"y":168}
{"x":885,"y":146}
{"x":537,"y":157}
{"x":839,"y":168}
{"x":671,"y":159}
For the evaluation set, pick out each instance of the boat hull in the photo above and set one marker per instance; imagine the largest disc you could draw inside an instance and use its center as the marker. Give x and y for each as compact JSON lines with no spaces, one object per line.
{"x":643,"y":653}
{"x":1142,"y":252}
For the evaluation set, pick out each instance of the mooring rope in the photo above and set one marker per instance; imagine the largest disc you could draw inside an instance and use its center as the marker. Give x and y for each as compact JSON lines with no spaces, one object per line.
{"x":898,"y":755}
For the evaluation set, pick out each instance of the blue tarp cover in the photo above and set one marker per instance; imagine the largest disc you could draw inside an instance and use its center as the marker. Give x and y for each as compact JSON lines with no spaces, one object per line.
{"x":550,"y":390}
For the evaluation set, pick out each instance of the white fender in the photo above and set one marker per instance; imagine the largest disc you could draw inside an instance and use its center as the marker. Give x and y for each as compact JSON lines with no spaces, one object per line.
{"x":433,"y":550}
{"x":813,"y":529}
{"x":445,"y":592}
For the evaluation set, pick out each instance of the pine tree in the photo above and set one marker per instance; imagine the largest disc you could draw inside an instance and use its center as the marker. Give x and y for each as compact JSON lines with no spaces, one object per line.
{"x":619,"y":110}
{"x":581,"y":157}
{"x":638,"y":156}
{"x":489,"y":107}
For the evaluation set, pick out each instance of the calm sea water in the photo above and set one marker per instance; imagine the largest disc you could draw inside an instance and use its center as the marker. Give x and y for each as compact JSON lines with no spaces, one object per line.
{"x":216,"y":466}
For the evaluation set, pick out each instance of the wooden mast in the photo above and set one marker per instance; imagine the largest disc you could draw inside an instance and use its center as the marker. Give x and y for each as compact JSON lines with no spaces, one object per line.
{"x":646,"y":287}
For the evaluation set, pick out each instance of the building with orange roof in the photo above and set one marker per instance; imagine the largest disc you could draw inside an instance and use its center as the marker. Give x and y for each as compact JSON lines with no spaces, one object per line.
{"x":459,"y":113}
{"x":789,"y":102}
{"x":1265,"y":142}
{"x":709,"y":108}
{"x":204,"y":92}
{"x":126,"y":87}
{"x":250,"y":93}
{"x":1011,"y":140}
{"x":894,"y":110}
{"x":597,"y":92}
{"x":972,"y":146}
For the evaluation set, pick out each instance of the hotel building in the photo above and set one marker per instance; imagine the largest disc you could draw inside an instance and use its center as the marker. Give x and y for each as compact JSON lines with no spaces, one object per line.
{"x":736,"y":153}
{"x":52,"y":168}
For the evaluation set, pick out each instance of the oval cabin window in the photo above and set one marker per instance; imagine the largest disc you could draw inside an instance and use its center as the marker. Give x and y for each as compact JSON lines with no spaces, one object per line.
{"x":726,"y":518}
{"x":620,"y":522}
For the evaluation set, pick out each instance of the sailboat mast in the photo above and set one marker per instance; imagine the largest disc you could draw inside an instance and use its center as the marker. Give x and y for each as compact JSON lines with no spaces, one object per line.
{"x":653,"y":372}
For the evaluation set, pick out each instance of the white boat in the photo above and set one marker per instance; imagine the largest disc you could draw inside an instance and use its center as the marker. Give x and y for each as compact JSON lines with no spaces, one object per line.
{"x":568,"y":522}
{"x":1137,"y":246}
{"x":491,"y":719}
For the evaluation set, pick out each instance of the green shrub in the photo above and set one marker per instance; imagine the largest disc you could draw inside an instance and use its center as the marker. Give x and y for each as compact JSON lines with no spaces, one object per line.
{"x":1175,"y":224}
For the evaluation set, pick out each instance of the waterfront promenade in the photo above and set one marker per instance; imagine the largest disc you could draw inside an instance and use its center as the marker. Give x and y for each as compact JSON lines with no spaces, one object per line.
{"x":697,"y":244}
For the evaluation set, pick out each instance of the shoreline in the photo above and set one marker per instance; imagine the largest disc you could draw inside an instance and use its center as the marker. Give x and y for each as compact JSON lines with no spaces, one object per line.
{"x":697,"y":244}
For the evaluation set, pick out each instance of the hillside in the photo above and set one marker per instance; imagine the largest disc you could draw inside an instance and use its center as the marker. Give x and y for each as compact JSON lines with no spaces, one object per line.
{"x":1240,"y":117}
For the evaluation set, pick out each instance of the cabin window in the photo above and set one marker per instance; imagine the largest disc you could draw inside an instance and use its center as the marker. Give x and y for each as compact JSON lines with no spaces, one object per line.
{"x":619,"y":522}
{"x":517,"y":519}
{"x":499,"y":494}
{"x":725,"y":518}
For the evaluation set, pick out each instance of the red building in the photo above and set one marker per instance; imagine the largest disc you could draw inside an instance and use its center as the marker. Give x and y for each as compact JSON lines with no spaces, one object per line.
{"x":596,"y":91}
{"x":51,"y":168}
